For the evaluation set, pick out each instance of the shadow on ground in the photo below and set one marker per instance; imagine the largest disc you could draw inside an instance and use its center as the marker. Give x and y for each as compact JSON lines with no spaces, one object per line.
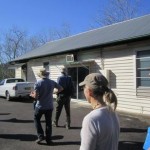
{"x":130,"y":145}
{"x":21,"y":137}
{"x":5,"y":113}
{"x":14,"y":120}
{"x":22,"y":100}
{"x":133,"y":130}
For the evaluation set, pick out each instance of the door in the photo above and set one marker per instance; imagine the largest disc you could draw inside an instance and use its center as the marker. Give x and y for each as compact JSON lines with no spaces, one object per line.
{"x":78,"y":74}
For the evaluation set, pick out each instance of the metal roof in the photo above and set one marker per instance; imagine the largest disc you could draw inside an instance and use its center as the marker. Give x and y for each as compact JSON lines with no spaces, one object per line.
{"x":123,"y":31}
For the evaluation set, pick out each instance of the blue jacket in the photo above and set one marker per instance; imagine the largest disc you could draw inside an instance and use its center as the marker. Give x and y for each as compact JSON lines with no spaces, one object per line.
{"x":66,"y":82}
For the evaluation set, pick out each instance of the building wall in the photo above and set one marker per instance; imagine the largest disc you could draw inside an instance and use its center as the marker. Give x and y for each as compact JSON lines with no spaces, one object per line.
{"x":18,"y":72}
{"x":34,"y":65}
{"x":120,"y":60}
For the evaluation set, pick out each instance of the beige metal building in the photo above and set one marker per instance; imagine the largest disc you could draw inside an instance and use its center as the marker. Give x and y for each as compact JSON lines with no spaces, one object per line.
{"x":120,"y":51}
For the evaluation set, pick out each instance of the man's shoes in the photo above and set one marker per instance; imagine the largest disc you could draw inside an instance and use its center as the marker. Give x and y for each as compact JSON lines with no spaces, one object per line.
{"x":55,"y":124}
{"x":39,"y":140}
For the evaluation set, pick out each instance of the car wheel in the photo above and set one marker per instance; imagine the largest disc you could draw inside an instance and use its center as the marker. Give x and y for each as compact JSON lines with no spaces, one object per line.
{"x":7,"y":96}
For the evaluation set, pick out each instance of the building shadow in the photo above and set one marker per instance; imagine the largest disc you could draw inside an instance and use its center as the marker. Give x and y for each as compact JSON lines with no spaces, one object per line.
{"x":112,"y":84}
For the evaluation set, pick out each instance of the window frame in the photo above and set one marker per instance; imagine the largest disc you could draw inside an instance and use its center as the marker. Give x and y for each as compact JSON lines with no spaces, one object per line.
{"x":139,"y":68}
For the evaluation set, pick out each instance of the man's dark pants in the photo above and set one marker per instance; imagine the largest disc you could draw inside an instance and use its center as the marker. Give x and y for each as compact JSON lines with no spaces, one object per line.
{"x":63,"y":101}
{"x":48,"y":119}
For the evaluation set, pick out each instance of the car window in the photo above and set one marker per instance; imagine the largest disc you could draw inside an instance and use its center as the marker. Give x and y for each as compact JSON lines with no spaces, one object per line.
{"x":10,"y":81}
{"x":14,"y":80}
{"x":20,"y":80}
{"x":1,"y":82}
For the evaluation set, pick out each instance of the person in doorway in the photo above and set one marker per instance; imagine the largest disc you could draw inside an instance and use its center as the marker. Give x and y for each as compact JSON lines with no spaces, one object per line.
{"x":100,"y":128}
{"x":43,"y":93}
{"x":64,"y":97}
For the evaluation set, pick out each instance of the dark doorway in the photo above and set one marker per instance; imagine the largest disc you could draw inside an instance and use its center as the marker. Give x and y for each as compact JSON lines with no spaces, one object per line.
{"x":78,"y":74}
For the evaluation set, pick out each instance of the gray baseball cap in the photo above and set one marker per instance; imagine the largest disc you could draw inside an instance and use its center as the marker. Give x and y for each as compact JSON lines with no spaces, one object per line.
{"x":94,"y":80}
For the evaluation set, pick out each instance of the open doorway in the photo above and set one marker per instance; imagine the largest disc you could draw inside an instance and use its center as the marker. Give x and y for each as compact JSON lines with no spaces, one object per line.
{"x":78,"y":74}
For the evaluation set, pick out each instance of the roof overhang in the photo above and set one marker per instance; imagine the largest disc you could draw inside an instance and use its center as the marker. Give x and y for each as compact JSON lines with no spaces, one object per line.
{"x":15,"y":66}
{"x":81,"y":62}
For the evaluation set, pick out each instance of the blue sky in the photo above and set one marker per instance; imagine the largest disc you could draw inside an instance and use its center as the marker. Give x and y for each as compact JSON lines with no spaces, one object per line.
{"x":40,"y":15}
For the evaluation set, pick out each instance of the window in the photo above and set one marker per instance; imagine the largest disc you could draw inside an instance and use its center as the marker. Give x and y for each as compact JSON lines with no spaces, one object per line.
{"x":2,"y":82}
{"x":14,"y":80}
{"x":143,"y":68}
{"x":46,"y":65}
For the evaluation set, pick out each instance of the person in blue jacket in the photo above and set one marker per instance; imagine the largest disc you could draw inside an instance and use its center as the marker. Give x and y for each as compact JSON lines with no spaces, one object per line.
{"x":64,"y":97}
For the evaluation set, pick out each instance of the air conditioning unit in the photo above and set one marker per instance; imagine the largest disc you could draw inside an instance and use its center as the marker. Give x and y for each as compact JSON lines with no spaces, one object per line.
{"x":70,"y":58}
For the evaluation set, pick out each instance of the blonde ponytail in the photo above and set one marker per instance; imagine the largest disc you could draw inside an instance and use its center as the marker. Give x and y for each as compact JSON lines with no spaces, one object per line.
{"x":110,"y":99}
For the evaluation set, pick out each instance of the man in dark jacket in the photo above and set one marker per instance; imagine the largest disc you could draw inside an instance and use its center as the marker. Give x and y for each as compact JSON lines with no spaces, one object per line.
{"x":64,"y":97}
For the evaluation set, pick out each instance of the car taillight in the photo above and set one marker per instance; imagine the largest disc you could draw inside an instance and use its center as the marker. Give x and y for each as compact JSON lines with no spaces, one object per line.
{"x":15,"y":88}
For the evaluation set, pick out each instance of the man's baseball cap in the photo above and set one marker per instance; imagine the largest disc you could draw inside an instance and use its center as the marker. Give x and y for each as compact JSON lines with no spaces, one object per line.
{"x":94,"y":80}
{"x":43,"y":73}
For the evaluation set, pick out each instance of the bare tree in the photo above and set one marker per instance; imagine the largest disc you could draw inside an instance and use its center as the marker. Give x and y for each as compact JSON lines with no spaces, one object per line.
{"x":32,"y":43}
{"x":4,"y":71}
{"x":47,"y":36}
{"x":16,"y":42}
{"x":117,"y":11}
{"x":54,"y":34}
{"x":13,"y":44}
{"x":63,"y":32}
